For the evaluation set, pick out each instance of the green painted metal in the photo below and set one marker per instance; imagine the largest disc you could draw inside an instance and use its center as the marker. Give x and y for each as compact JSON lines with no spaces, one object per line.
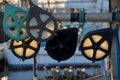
{"x":13,"y":22}
{"x":82,"y":16}
{"x":81,"y":20}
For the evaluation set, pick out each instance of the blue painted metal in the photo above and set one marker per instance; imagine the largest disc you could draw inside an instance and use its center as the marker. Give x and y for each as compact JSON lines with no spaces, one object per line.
{"x":118,"y":52}
{"x":10,"y":11}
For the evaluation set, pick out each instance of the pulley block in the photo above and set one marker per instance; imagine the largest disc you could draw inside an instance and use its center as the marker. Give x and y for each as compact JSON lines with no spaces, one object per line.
{"x":63,"y":45}
{"x":41,"y":25}
{"x":14,"y":22}
{"x":3,"y":36}
{"x":96,"y":45}
{"x":25,"y":49}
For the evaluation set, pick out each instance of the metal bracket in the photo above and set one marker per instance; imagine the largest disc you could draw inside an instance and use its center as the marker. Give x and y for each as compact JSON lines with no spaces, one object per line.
{"x":82,"y":16}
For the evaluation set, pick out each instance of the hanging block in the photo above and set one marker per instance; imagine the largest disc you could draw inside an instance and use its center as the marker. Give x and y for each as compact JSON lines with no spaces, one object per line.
{"x":14,"y":22}
{"x":41,"y":25}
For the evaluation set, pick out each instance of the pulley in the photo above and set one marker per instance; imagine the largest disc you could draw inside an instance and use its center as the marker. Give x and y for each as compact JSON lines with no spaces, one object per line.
{"x":14,"y":22}
{"x":25,"y":49}
{"x":96,"y":45}
{"x":3,"y":37}
{"x":41,"y":25}
{"x":63,"y":45}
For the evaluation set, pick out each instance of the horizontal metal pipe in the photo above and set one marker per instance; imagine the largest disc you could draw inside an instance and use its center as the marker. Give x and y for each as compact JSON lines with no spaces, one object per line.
{"x":89,"y":17}
{"x":98,"y":17}
{"x":62,"y":16}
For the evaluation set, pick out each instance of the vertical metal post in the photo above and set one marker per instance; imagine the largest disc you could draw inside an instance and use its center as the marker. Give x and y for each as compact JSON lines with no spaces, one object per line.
{"x":118,"y":54}
{"x":115,"y":73}
{"x":34,"y":68}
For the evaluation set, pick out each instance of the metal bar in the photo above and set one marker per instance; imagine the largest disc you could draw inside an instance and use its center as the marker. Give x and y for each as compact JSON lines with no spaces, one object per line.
{"x":114,"y":71}
{"x":94,"y":77}
{"x":98,"y":17}
{"x":62,"y":16}
{"x":34,"y":68}
{"x":60,"y":2}
{"x":89,"y":17}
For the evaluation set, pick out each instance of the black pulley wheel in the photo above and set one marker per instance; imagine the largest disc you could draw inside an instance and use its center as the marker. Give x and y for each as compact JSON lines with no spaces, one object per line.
{"x":63,"y":45}
{"x":96,"y":45}
{"x":25,"y":49}
{"x":41,"y":25}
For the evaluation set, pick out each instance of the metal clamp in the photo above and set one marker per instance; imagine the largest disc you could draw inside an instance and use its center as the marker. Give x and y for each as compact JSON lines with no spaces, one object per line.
{"x":82,"y":16}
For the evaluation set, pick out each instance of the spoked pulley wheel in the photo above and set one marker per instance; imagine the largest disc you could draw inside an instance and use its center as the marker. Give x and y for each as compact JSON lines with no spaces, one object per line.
{"x":25,"y":49}
{"x":41,"y":25}
{"x":14,"y":22}
{"x":63,"y":45}
{"x":96,"y":45}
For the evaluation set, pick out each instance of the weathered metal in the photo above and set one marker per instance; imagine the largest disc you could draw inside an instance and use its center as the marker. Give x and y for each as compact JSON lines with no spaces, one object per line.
{"x":41,"y":25}
{"x":14,"y":22}
{"x":25,"y":49}
{"x":63,"y":45}
{"x":96,"y":45}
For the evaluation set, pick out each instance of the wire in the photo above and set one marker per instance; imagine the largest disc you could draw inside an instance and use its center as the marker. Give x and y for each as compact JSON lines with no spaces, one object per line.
{"x":110,"y":10}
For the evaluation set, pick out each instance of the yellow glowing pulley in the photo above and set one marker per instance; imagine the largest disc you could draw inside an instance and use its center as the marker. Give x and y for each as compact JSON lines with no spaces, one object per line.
{"x":96,"y":45}
{"x":25,"y":49}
